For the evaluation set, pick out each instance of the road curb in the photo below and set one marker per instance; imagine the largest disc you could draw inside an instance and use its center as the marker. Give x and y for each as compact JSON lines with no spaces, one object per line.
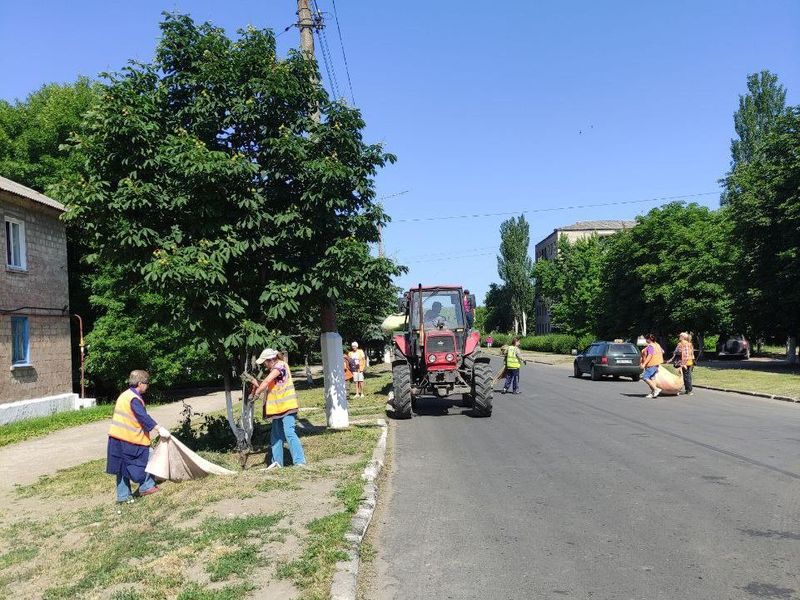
{"x":756,"y":394}
{"x":345,"y":577}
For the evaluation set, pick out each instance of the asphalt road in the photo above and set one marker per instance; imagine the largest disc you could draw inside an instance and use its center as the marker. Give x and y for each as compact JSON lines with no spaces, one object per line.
{"x":581,"y":489}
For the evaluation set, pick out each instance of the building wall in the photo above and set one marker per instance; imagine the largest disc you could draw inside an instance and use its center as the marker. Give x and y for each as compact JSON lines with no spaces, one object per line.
{"x":44,"y":284}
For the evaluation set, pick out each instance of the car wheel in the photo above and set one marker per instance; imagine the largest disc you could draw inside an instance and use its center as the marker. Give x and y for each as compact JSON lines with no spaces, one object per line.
{"x":595,"y":374}
{"x":576,"y":372}
{"x":616,"y":377}
{"x":635,"y":377}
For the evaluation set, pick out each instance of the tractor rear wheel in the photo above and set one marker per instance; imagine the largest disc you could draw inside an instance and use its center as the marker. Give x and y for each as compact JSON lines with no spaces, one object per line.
{"x":401,"y":383}
{"x":482,"y":384}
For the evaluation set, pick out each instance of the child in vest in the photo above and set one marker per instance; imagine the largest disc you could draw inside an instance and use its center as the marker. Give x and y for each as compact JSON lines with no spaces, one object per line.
{"x":358,"y":363}
{"x":513,"y":363}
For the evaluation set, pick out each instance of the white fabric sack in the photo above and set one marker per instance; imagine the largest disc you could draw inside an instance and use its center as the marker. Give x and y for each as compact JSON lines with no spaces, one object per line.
{"x":171,"y":460}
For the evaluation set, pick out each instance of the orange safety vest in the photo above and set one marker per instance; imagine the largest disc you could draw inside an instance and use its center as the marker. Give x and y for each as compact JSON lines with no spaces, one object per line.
{"x":281,"y":396}
{"x":687,"y":353}
{"x":124,"y":424}
{"x":654,"y":359}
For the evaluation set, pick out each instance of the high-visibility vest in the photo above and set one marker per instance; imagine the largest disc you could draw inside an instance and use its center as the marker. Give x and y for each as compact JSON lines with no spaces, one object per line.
{"x":654,"y":359}
{"x":512,"y":360}
{"x":687,"y":353}
{"x":281,"y":396}
{"x":124,"y":424}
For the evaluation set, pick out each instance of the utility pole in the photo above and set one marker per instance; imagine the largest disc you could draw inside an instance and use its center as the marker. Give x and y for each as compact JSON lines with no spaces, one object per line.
{"x":330,"y":340}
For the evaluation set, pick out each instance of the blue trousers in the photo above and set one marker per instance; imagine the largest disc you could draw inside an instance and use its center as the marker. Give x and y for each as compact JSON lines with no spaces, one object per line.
{"x":124,"y":486}
{"x":282,"y":430}
{"x":512,"y":378}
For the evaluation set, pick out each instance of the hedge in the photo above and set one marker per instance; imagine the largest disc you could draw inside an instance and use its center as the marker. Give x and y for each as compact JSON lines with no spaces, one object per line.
{"x":557,"y":343}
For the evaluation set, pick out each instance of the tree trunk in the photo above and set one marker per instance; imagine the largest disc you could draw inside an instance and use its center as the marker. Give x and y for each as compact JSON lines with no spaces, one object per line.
{"x":700,"y":344}
{"x":524,"y":323}
{"x":516,"y":326}
{"x":238,"y":432}
{"x":791,"y":350}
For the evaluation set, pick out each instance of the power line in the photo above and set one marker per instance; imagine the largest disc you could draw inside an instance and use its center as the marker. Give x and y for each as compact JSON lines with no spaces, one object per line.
{"x":455,"y":257}
{"x":555,"y":208}
{"x":392,"y":195}
{"x":344,"y":56}
{"x":327,"y":59}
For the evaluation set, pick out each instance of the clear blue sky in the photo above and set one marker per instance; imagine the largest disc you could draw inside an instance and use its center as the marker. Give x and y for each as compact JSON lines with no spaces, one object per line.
{"x":484,"y":106}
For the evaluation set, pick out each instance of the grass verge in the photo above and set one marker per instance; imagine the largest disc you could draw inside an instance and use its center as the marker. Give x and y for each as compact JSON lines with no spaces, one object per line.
{"x":748,"y":380}
{"x":209,"y":539}
{"x":39,"y":426}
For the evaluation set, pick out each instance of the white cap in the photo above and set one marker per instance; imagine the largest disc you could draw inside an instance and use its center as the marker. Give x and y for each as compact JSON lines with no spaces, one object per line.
{"x":354,"y":344}
{"x":266,"y":355}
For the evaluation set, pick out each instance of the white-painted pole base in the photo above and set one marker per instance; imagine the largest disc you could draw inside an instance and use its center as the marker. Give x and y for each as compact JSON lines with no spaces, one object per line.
{"x":335,"y":389}
{"x":791,"y":350}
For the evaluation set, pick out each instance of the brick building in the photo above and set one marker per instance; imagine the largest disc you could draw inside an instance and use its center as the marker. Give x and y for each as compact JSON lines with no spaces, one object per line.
{"x":548,"y":247}
{"x":35,"y":348}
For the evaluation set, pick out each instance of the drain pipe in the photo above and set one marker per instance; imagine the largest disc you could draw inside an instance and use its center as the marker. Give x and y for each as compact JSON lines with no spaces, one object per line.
{"x":83,"y":355}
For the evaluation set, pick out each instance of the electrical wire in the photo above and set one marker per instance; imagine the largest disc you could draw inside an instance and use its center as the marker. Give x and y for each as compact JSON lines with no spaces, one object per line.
{"x":392,"y":195}
{"x":554,"y":208}
{"x":327,"y":59}
{"x":344,"y":56}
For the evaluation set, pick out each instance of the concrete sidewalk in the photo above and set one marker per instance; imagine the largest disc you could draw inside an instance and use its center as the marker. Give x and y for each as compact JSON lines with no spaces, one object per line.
{"x":25,"y":462}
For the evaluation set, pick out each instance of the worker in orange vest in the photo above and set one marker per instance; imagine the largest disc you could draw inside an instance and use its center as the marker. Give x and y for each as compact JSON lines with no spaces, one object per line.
{"x":129,"y":439}
{"x":652,"y":357}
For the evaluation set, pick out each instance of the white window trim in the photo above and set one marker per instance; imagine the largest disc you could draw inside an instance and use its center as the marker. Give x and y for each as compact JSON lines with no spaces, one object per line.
{"x":23,"y":254}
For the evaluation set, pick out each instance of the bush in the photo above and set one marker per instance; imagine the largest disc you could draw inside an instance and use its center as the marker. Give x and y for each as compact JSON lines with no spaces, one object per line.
{"x":557,"y":343}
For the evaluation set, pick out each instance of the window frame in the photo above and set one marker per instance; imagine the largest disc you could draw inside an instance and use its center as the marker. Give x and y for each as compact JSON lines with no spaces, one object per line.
{"x":24,"y":322}
{"x":23,"y":254}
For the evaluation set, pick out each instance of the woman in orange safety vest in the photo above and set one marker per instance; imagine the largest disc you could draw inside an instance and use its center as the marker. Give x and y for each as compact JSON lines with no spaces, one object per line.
{"x":683,"y":358}
{"x":129,"y":439}
{"x":281,"y":406}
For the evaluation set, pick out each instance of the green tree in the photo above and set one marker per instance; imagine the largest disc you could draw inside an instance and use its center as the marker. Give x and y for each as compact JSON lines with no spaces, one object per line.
{"x":759,"y":109}
{"x":498,"y":309}
{"x":208,"y":181}
{"x":516,"y":269}
{"x":664,"y":274}
{"x":571,"y":285}
{"x":764,"y":210}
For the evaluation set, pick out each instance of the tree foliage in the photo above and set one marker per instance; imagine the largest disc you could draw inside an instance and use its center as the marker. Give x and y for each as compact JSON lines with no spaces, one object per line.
{"x":764,"y":212}
{"x":664,"y":274}
{"x":758,"y":111}
{"x":571,"y":285}
{"x":498,"y":315}
{"x":206,"y":180}
{"x":515,"y":268}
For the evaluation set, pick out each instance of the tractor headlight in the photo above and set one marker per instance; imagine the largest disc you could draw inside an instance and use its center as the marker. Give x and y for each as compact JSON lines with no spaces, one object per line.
{"x":449,"y":358}
{"x":432,"y":358}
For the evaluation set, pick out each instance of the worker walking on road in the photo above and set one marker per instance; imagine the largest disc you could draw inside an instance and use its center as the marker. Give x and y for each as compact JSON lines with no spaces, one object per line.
{"x":129,"y":439}
{"x":652,"y":357}
{"x":683,"y":358}
{"x":513,"y":363}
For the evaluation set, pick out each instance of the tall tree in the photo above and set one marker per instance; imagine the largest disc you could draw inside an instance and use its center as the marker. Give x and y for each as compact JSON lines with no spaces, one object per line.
{"x":664,"y":274}
{"x":571,"y":284}
{"x":516,"y":269}
{"x":764,"y":210}
{"x":498,"y":315}
{"x":759,"y":109}
{"x":208,"y":180}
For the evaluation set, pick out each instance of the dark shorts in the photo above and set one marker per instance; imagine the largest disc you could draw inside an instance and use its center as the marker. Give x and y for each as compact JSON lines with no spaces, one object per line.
{"x":650,"y":372}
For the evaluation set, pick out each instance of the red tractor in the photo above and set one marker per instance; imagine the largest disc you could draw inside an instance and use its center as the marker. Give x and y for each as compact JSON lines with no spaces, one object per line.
{"x":439,"y":354}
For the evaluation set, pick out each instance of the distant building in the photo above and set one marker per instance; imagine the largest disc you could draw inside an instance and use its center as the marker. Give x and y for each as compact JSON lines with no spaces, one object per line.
{"x":35,"y":349}
{"x":548,"y":247}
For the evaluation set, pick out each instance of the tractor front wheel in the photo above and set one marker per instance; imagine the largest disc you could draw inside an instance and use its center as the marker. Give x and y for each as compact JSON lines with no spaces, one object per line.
{"x":482,"y":384}
{"x":401,"y":383}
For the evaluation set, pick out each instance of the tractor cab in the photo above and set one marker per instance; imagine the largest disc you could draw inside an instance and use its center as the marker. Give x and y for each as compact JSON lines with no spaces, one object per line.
{"x":438,"y":354}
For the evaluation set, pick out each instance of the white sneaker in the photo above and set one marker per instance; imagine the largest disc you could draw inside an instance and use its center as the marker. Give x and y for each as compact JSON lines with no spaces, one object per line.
{"x":649,"y":396}
{"x":656,"y":392}
{"x":274,"y":465}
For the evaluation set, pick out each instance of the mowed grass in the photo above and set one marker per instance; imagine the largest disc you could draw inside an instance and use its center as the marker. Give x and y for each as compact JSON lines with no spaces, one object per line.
{"x":40,"y":426}
{"x":215,"y":538}
{"x":749,"y":380}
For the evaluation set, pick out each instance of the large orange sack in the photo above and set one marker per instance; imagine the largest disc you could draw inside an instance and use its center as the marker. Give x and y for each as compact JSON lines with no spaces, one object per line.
{"x":669,"y":383}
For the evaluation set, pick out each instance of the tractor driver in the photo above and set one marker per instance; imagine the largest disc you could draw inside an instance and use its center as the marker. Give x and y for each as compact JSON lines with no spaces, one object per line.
{"x":432,"y":315}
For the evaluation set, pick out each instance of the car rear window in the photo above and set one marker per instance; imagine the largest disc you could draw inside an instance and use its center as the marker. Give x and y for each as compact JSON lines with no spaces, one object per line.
{"x":622,"y":349}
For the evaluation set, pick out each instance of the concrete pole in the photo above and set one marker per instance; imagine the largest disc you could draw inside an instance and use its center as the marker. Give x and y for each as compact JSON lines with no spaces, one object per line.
{"x":330,"y":340}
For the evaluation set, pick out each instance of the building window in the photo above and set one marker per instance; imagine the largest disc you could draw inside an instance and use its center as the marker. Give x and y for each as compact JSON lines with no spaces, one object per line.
{"x":15,"y":244}
{"x":20,"y":341}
